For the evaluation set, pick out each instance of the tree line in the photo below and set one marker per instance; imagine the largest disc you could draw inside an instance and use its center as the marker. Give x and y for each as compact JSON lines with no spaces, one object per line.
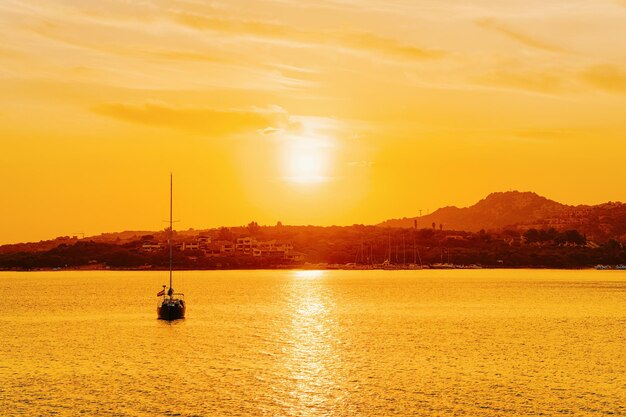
{"x":357,"y":244}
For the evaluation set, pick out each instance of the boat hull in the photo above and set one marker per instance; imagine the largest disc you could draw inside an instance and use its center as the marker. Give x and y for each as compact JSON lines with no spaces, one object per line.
{"x":171,"y":312}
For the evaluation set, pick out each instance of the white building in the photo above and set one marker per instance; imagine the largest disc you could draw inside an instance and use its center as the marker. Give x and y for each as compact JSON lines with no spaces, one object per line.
{"x":151,"y":247}
{"x":245,"y":244}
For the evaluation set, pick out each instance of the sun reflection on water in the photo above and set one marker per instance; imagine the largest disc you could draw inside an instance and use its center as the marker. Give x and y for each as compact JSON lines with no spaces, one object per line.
{"x":312,"y":363}
{"x":309,"y":273}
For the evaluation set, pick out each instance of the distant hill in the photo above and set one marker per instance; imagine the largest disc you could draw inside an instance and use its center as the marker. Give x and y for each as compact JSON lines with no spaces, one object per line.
{"x":45,"y":245}
{"x":498,"y":211}
{"x":582,"y":238}
{"x":525,"y":210}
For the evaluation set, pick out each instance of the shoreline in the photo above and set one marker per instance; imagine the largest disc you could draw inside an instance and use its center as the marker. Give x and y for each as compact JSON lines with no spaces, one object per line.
{"x":317,"y":268}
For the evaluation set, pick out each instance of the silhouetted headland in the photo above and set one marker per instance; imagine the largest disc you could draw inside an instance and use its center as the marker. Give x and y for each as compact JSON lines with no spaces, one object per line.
{"x":510,"y":230}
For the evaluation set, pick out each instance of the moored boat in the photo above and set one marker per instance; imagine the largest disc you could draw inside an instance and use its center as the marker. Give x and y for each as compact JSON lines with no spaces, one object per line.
{"x":172,"y":305}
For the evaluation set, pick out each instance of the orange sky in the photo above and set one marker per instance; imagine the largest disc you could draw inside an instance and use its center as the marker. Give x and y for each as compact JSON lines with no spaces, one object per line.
{"x":309,"y":112}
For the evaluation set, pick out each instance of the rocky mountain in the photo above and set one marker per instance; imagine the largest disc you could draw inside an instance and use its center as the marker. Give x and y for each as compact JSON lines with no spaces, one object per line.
{"x":525,"y":210}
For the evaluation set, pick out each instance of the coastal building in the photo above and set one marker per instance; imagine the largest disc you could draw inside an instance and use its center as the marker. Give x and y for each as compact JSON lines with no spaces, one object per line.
{"x":191,"y":246}
{"x":245,"y":244}
{"x":271,"y":248}
{"x":294,"y":256}
{"x":204,"y":241}
{"x":223,"y":247}
{"x":183,"y":246}
{"x":151,"y":246}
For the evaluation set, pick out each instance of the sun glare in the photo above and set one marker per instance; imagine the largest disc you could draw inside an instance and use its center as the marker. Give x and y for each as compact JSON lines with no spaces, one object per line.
{"x":310,"y":273}
{"x":306,"y":161}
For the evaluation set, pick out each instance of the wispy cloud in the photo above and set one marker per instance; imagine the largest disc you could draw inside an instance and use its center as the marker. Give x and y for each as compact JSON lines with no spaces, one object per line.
{"x":61,"y":34}
{"x":549,"y":133}
{"x":522,"y":38}
{"x":270,"y":130}
{"x":10,"y":53}
{"x":606,"y":77}
{"x":362,"y":41}
{"x":360,"y":164}
{"x":200,"y":120}
{"x":539,"y":81}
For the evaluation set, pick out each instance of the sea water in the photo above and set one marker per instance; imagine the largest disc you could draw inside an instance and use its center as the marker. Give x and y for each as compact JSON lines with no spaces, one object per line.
{"x":315,"y":343}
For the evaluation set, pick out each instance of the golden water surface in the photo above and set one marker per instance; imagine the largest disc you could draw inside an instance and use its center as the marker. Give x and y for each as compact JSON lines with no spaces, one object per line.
{"x":315,"y":343}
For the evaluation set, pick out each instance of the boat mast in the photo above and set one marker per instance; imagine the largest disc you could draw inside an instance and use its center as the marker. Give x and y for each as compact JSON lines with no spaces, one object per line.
{"x":389,"y":257}
{"x":403,"y":250}
{"x":171,"y":232}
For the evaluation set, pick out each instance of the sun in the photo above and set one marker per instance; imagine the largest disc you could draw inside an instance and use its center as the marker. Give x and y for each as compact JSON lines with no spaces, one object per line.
{"x":306,"y":160}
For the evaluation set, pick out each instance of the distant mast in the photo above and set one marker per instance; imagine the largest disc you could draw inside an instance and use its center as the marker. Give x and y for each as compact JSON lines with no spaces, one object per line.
{"x":389,"y":254}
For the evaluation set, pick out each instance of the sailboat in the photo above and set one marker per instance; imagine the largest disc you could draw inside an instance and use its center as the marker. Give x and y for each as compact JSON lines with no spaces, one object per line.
{"x":387,"y":262}
{"x":172,"y":304}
